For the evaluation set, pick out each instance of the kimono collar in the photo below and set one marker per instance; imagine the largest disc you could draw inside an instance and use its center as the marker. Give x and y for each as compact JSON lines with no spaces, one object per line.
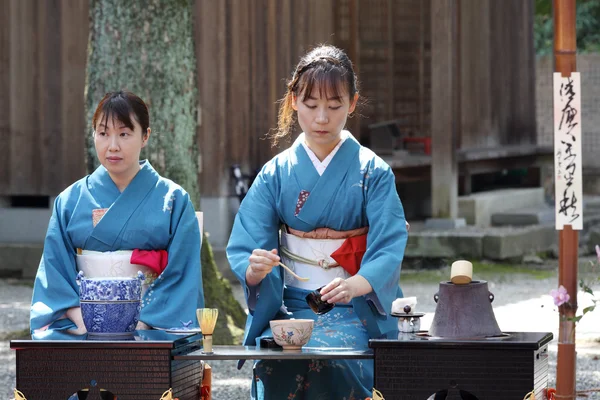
{"x":321,"y":188}
{"x":121,"y":206}
{"x":100,"y":179}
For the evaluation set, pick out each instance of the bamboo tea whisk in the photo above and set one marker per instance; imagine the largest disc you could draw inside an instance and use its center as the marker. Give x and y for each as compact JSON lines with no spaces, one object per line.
{"x":377,"y":395}
{"x":207,"y":318}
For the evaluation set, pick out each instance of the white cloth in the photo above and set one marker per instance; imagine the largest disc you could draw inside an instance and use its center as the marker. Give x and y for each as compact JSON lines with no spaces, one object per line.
{"x":320,"y":166}
{"x":112,"y":264}
{"x":315,"y":250}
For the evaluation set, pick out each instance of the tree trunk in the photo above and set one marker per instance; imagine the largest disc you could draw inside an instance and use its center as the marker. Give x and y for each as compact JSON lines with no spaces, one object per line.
{"x":147,"y":47}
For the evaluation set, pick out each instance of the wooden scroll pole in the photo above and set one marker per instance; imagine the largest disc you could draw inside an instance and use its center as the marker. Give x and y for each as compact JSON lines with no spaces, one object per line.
{"x":565,"y":49}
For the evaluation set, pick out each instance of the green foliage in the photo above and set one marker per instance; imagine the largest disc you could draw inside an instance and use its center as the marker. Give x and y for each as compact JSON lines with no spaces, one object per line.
{"x":543,"y":7}
{"x":587,"y":285}
{"x":587,"y":26}
{"x":24,"y":334}
{"x":495,"y":272}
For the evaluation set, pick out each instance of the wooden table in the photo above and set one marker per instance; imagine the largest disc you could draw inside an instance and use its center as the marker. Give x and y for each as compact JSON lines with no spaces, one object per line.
{"x":142,"y":367}
{"x":151,"y":362}
{"x":257,"y":353}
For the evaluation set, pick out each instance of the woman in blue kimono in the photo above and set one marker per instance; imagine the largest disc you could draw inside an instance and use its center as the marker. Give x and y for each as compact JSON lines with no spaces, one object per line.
{"x":123,"y":205}
{"x":330,"y":208}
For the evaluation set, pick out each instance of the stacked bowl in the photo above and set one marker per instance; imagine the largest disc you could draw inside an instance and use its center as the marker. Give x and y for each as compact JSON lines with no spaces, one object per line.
{"x":110,"y":306}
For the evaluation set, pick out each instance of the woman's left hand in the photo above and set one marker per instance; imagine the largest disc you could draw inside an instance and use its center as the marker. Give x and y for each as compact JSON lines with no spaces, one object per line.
{"x":141,"y":326}
{"x":344,"y":290}
{"x":337,"y":291}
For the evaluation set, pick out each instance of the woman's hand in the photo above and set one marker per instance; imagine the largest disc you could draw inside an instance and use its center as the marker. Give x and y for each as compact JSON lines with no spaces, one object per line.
{"x":262,"y":263}
{"x":344,"y":290}
{"x":74,"y":314}
{"x":142,"y":326}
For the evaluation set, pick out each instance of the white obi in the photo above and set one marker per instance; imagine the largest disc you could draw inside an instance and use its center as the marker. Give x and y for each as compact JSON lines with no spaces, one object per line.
{"x":317,"y":251}
{"x":117,"y":264}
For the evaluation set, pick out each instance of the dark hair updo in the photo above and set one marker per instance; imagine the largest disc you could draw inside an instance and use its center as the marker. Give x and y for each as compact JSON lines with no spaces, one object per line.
{"x":327,"y":68}
{"x":121,"y":106}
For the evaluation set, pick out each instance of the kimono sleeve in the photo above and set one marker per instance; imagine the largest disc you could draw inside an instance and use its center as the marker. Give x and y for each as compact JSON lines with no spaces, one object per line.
{"x":386,"y":241}
{"x":177,"y":292}
{"x":55,"y":289}
{"x":256,"y":226}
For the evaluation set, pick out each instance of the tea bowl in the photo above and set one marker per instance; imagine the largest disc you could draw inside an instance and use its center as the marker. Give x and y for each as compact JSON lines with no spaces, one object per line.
{"x":292,"y":334}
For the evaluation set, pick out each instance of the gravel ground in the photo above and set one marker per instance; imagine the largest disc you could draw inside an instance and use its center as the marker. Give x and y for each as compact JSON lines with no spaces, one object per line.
{"x":521,"y":304}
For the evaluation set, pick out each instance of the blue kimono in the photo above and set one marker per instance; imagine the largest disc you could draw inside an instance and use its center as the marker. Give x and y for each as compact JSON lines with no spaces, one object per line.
{"x":152,"y":213}
{"x":356,"y":190}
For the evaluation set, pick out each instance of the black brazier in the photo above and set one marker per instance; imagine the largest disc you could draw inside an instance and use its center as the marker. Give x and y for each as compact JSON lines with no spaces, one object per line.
{"x":142,"y":368}
{"x":418,"y":367}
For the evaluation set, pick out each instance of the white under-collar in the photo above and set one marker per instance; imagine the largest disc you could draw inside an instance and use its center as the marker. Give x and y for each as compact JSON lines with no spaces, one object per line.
{"x":320,"y":166}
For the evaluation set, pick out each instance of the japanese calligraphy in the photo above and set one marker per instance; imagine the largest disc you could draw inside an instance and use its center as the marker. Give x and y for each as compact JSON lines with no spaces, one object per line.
{"x":567,"y":151}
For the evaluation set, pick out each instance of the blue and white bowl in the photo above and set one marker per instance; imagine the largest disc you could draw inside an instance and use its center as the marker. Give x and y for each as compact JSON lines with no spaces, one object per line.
{"x":110,"y":317}
{"x":110,"y":306}
{"x":110,"y":289}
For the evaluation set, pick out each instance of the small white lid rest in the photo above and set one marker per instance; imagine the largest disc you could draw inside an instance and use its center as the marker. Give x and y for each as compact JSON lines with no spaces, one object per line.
{"x":461,"y":272}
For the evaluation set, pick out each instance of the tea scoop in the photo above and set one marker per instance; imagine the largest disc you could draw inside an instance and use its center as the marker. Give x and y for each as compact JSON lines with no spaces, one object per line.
{"x":288,"y":269}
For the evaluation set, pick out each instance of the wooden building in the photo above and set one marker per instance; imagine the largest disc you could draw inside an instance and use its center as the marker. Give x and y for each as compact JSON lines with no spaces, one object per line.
{"x":459,"y":72}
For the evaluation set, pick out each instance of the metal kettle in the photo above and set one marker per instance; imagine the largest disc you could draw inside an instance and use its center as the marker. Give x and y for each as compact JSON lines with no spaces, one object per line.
{"x":464,"y":311}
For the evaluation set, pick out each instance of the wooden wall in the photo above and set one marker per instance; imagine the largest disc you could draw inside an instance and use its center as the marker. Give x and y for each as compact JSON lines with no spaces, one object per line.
{"x":42,"y":75}
{"x":246,"y":49}
{"x":245,"y":52}
{"x":390,"y":45}
{"x":497,"y":73}
{"x":495,"y":64}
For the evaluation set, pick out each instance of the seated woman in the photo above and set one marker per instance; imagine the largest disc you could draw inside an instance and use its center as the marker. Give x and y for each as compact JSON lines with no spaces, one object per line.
{"x":123,"y":205}
{"x":329,"y":207}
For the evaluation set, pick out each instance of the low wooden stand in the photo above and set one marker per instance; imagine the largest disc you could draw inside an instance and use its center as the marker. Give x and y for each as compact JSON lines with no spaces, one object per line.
{"x":144,"y":367}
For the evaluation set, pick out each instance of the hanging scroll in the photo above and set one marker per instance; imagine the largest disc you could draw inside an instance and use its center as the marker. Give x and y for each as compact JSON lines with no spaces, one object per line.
{"x":567,"y":151}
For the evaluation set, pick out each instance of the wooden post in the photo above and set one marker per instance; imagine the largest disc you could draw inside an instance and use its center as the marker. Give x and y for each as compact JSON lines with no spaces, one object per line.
{"x":565,"y":50}
{"x":390,"y":60}
{"x":444,"y":121}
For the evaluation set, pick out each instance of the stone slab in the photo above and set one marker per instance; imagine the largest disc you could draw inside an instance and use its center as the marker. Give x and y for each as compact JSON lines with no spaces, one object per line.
{"x":20,"y":260}
{"x":445,"y":223}
{"x":431,"y":244}
{"x":519,"y":241}
{"x":522,"y":217}
{"x":24,"y":225}
{"x":219,"y":214}
{"x":477,"y":209}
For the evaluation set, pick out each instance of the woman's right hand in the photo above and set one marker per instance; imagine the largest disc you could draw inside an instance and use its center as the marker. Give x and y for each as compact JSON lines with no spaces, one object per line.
{"x":74,"y":314}
{"x":262,"y":263}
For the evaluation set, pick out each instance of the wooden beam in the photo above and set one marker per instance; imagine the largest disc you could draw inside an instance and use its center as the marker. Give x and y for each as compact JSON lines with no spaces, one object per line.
{"x":390,"y":59}
{"x":51,"y":95}
{"x":73,"y":54}
{"x":444,"y":119}
{"x":354,"y":54}
{"x":24,"y":89}
{"x":5,"y":73}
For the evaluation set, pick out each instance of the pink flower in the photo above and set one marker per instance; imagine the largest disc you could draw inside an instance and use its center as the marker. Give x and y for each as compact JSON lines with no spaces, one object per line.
{"x":598,"y":252}
{"x":560,"y":295}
